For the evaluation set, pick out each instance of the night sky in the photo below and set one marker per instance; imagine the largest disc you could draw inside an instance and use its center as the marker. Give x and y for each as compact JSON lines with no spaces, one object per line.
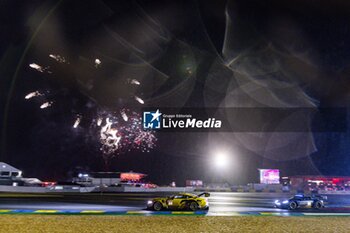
{"x":185,"y":54}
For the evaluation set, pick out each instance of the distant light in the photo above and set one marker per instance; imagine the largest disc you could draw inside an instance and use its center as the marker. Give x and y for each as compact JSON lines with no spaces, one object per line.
{"x":97,"y":62}
{"x":221,"y":159}
{"x":80,"y":175}
{"x":134,"y":81}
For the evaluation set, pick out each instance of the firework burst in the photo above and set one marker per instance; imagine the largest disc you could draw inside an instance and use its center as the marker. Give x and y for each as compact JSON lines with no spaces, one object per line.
{"x":117,"y":130}
{"x":118,"y":135}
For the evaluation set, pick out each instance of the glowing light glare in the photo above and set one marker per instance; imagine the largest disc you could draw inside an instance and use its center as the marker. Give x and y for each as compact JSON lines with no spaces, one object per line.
{"x":46,"y":105}
{"x":135,"y":82}
{"x":106,"y":127}
{"x":109,"y":136}
{"x":32,"y":94}
{"x":36,"y":67}
{"x":138,"y":99}
{"x":77,"y":122}
{"x":221,"y":160}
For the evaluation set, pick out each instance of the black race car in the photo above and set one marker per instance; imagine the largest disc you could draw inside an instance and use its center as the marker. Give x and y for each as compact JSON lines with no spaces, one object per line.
{"x":301,"y":201}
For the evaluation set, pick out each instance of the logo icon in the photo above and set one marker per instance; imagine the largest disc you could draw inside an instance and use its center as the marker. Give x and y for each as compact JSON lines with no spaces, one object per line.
{"x":151,"y":120}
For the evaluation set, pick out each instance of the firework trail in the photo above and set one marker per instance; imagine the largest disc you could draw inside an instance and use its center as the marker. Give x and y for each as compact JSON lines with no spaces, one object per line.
{"x":46,"y":104}
{"x":138,"y":99}
{"x":77,"y":121}
{"x":39,"y":68}
{"x":32,"y":94}
{"x":58,"y":58}
{"x":125,"y":117}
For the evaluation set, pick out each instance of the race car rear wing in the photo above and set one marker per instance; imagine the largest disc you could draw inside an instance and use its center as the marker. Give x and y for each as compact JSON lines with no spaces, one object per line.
{"x":204,"y":194}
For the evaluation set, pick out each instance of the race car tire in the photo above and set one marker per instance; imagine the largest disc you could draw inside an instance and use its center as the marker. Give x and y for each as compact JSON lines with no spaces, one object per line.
{"x":157,"y":206}
{"x":317,"y":205}
{"x":293,"y":205}
{"x":193,"y":206}
{"x":206,"y":208}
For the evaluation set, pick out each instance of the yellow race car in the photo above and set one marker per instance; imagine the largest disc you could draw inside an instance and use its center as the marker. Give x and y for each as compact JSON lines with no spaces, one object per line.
{"x":181,"y":201}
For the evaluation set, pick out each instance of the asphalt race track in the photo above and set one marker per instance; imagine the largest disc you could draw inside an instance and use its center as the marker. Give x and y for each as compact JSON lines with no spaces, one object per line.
{"x":221,"y":204}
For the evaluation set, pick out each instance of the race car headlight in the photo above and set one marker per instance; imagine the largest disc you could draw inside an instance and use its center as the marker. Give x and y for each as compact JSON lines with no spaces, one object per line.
{"x":276,"y":202}
{"x":285,"y":202}
{"x":149,"y":202}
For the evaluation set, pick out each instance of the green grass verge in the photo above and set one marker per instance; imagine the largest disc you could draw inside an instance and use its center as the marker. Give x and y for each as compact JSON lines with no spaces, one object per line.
{"x":126,"y":224}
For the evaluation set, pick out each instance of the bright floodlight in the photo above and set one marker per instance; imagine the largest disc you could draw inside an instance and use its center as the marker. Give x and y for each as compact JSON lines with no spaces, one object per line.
{"x":221,"y":160}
